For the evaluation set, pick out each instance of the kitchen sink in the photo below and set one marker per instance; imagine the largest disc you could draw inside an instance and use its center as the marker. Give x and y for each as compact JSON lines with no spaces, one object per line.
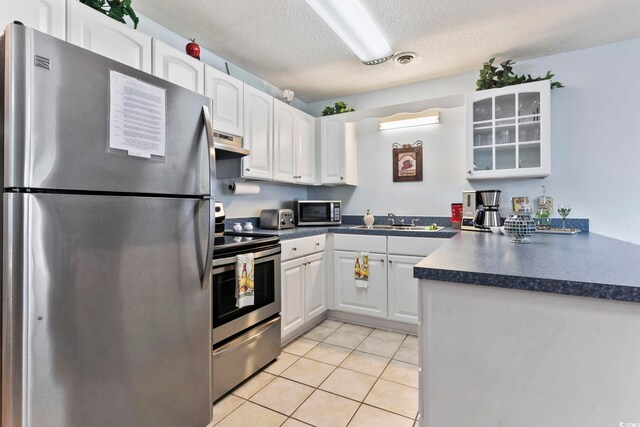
{"x":396,"y":227}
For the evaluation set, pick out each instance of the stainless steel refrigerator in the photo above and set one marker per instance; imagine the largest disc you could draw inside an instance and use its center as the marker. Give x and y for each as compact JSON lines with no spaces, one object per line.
{"x":106,"y":241}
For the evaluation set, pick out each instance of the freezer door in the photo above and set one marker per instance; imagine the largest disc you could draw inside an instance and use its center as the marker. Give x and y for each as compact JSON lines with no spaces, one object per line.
{"x":58,"y":114}
{"x":105,"y":320}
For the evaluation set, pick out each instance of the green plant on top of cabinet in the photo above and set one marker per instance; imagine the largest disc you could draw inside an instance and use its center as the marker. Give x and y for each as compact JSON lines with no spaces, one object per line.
{"x":46,"y":16}
{"x":508,"y":132}
{"x":258,"y":134}
{"x":338,"y":150}
{"x":98,"y":33}
{"x":293,"y":145}
{"x":177,"y":67}
{"x":227,"y":94}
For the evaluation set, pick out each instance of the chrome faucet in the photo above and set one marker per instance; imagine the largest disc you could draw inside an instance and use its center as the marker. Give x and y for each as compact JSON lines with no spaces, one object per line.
{"x":392,"y":219}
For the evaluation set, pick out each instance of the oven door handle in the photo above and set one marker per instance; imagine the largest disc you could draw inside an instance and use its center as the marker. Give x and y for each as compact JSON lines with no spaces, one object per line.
{"x":255,"y":334}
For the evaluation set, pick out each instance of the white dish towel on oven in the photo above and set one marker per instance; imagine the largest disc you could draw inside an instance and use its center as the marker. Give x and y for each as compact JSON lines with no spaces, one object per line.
{"x":244,"y":280}
{"x":361,"y":269}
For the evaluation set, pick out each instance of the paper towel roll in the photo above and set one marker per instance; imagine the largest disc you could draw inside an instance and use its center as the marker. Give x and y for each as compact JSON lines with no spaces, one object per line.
{"x":243,"y":188}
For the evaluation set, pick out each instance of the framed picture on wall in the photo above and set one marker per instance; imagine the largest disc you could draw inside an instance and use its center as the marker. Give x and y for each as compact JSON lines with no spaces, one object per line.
{"x":407,"y":162}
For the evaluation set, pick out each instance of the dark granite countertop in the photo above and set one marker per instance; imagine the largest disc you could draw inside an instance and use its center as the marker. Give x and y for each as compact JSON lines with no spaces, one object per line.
{"x":586,"y":264}
{"x":298,"y":232}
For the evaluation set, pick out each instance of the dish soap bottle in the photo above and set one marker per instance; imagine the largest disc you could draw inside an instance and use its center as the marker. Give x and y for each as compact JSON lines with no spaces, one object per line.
{"x":368,"y":219}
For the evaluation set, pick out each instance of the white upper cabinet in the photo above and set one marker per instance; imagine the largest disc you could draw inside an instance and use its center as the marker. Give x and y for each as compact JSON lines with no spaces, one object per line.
{"x":88,"y":28}
{"x":47,"y":16}
{"x":508,"y":132}
{"x":258,"y":134}
{"x":177,"y":67}
{"x":284,"y":142}
{"x":227,"y":94}
{"x":305,"y":148}
{"x":293,"y":145}
{"x":338,"y":151}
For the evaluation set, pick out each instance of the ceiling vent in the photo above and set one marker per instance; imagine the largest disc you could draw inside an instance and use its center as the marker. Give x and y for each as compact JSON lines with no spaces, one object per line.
{"x":404,"y":58}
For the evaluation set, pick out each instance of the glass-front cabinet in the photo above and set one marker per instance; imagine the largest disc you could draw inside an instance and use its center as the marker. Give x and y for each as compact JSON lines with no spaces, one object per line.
{"x":508,"y":133}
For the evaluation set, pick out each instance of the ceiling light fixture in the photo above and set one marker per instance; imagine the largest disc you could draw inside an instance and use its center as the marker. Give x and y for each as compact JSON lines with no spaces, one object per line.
{"x":404,"y":58}
{"x":405,"y":120}
{"x":353,"y":24}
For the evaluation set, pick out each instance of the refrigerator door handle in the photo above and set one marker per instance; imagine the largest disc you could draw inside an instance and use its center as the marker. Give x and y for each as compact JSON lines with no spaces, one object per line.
{"x":206,"y":275}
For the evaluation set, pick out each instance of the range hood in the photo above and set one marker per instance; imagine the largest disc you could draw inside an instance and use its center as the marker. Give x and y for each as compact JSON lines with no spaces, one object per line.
{"x":228,"y":146}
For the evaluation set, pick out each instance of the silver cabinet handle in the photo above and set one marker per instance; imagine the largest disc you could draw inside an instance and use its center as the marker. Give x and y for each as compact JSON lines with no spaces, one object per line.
{"x":469,"y":172}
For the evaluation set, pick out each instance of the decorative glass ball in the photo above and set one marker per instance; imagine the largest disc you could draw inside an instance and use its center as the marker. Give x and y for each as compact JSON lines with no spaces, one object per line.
{"x":519,"y":226}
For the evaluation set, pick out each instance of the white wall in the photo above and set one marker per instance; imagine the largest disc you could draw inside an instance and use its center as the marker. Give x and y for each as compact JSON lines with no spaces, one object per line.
{"x":595,"y":154}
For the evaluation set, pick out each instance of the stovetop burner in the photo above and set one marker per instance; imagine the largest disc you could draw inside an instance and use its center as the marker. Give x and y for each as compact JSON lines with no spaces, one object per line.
{"x":233,"y":243}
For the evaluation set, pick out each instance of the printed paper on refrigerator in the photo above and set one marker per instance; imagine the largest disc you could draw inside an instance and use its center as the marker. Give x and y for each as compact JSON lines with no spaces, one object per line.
{"x":137,"y":116}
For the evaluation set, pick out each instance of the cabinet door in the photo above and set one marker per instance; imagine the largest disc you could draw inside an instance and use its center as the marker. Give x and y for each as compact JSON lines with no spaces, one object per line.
{"x":508,"y":132}
{"x":403,"y":289}
{"x":314,"y":280}
{"x":371,"y":301}
{"x":258,"y":134}
{"x":177,"y":67}
{"x":332,"y":133}
{"x":98,"y":33}
{"x":228,"y":101}
{"x":292,"y":286}
{"x":305,"y":148}
{"x":47,"y":16}
{"x":284,"y":118}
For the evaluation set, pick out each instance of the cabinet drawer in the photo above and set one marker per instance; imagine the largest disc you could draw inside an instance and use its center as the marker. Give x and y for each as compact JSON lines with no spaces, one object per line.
{"x":351,"y":242}
{"x":301,"y":247}
{"x":414,"y":246}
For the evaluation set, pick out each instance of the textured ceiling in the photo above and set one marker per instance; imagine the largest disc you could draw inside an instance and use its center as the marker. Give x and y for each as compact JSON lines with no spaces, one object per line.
{"x":285,"y":43}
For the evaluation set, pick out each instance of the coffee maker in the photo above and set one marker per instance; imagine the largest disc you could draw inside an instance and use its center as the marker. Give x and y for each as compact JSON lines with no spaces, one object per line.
{"x":480,"y":210}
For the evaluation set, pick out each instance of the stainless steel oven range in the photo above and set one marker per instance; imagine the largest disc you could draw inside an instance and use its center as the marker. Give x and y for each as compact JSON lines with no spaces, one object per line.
{"x":244,"y":339}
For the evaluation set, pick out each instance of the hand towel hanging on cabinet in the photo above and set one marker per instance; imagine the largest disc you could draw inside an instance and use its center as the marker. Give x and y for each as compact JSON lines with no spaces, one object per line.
{"x":361,"y":269}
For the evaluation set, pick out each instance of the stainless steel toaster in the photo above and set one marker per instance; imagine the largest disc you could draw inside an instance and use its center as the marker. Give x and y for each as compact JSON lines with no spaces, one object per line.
{"x":277,"y":219}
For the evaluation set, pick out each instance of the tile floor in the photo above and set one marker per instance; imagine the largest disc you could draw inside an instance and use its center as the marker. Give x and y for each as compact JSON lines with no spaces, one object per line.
{"x":335,"y":375}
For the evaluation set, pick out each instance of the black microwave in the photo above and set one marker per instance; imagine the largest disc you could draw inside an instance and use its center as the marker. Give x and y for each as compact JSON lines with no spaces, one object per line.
{"x":318,"y":212}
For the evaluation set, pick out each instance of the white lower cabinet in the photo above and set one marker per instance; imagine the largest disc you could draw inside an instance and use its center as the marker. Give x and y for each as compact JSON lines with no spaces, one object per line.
{"x":303,"y":285}
{"x":392,"y":293}
{"x":402,"y":290}
{"x":292,"y":290}
{"x":370,"y":301}
{"x":315,"y":290}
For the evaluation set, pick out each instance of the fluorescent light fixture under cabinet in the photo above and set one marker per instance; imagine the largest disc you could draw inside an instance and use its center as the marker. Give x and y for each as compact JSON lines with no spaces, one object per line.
{"x":406,"y":120}
{"x":351,"y":22}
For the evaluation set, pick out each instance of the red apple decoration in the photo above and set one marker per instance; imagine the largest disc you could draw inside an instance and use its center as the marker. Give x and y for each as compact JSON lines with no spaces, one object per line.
{"x":193,"y":49}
